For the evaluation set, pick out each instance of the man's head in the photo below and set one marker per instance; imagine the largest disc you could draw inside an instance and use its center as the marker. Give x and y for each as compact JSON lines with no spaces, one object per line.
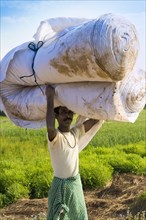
{"x":64,"y":117}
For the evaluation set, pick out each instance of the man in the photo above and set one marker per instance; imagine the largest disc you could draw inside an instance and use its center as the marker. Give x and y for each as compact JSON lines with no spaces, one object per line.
{"x":66,"y":199}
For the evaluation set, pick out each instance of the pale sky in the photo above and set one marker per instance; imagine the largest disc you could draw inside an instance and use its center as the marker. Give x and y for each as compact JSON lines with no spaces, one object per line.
{"x":20,"y":19}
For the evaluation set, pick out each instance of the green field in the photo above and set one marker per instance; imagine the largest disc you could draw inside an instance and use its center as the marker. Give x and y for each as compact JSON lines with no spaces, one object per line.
{"x":25,"y":166}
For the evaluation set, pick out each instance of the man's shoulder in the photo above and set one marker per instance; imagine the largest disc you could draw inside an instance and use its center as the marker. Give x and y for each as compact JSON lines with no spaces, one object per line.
{"x":78,"y":129}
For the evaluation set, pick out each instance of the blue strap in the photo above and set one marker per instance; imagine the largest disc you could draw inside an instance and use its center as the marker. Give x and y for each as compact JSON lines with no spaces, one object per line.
{"x":34,"y":46}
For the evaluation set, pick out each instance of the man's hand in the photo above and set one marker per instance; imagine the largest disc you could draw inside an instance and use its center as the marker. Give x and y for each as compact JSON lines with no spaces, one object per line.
{"x":50,"y":116}
{"x":50,"y":91}
{"x":89,"y":124}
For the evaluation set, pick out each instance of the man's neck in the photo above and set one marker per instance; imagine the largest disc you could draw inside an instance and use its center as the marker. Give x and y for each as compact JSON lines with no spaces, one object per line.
{"x":64,"y":129}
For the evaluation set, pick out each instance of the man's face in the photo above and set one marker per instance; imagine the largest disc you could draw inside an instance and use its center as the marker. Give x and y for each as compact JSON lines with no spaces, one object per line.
{"x":65,"y":116}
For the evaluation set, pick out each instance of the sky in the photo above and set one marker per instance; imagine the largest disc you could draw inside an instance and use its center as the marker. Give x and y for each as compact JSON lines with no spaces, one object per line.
{"x":20,"y":19}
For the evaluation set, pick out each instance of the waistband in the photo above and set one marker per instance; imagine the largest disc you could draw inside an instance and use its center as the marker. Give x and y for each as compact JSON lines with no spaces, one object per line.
{"x":68,"y":179}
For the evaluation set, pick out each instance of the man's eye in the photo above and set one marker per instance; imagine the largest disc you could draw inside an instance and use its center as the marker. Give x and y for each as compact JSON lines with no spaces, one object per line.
{"x":65,"y":112}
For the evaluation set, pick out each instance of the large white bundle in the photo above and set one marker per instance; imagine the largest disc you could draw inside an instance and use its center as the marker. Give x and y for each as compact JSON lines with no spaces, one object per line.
{"x":120,"y":101}
{"x":104,"y":50}
{"x":49,"y":28}
{"x":18,"y":62}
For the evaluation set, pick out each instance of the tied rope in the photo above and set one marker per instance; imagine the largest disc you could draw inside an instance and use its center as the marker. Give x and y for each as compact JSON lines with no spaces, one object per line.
{"x":34,"y":47}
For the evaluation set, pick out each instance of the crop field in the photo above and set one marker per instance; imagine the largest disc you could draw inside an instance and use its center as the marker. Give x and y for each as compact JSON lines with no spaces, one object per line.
{"x":25,"y":165}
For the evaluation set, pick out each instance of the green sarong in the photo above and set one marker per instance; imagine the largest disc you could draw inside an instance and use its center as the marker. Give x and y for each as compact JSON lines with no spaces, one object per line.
{"x":66,"y":200}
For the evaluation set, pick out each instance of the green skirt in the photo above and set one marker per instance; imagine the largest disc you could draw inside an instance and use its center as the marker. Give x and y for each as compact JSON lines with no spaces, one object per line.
{"x":66,"y":200}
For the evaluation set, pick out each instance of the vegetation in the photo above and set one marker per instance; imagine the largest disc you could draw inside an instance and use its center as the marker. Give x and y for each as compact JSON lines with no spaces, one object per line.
{"x":25,"y":163}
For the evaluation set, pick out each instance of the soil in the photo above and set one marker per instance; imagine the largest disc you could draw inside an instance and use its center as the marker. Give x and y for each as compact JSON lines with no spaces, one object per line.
{"x":109,"y":203}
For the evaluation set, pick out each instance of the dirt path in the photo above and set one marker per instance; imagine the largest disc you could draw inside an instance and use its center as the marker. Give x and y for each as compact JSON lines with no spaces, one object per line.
{"x":110,"y":203}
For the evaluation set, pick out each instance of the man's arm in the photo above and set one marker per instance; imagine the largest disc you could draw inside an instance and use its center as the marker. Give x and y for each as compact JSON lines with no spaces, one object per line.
{"x":50,"y":116}
{"x":89,"y":124}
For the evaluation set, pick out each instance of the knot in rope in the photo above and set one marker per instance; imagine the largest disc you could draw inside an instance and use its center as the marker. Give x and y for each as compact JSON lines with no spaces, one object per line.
{"x":34,"y":47}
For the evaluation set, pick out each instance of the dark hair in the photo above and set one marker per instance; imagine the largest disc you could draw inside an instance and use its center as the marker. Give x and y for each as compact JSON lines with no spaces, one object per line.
{"x":56,"y":110}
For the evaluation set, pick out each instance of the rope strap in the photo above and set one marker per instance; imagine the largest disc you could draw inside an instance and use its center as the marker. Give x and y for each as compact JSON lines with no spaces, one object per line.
{"x":34,"y":47}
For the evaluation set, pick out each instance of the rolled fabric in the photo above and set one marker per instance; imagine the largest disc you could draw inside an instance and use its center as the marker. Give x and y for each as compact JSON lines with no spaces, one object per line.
{"x":103,"y":49}
{"x":84,"y":61}
{"x":25,"y":106}
{"x":117,"y":101}
{"x":116,"y":46}
{"x":133,"y":94}
{"x":18,"y":61}
{"x":49,"y":28}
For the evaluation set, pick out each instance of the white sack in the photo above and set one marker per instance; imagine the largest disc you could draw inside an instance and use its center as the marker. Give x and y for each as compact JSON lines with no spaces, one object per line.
{"x":103,"y":49}
{"x":52,"y":26}
{"x":6,"y":70}
{"x":121,"y":101}
{"x":18,"y":61}
{"x":25,"y":106}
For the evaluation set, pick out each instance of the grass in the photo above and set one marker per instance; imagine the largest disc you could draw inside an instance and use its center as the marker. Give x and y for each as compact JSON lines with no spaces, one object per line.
{"x":121,"y":133}
{"x":26,"y":169}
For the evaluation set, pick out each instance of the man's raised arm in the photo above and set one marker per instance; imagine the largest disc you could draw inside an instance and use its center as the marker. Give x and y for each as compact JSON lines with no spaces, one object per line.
{"x":89,"y":124}
{"x":50,"y":115}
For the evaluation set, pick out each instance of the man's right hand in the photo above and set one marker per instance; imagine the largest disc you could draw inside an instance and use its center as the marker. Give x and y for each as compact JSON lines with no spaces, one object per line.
{"x":50,"y":116}
{"x":50,"y":91}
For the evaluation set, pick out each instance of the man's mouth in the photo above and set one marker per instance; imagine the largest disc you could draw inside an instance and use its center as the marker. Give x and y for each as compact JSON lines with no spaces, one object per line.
{"x":68,"y":119}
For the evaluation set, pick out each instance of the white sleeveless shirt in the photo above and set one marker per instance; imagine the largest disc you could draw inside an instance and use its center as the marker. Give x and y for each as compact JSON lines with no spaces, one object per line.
{"x":64,"y":152}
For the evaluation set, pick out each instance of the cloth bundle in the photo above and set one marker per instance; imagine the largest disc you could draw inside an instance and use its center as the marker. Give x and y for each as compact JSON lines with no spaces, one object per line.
{"x":89,"y":62}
